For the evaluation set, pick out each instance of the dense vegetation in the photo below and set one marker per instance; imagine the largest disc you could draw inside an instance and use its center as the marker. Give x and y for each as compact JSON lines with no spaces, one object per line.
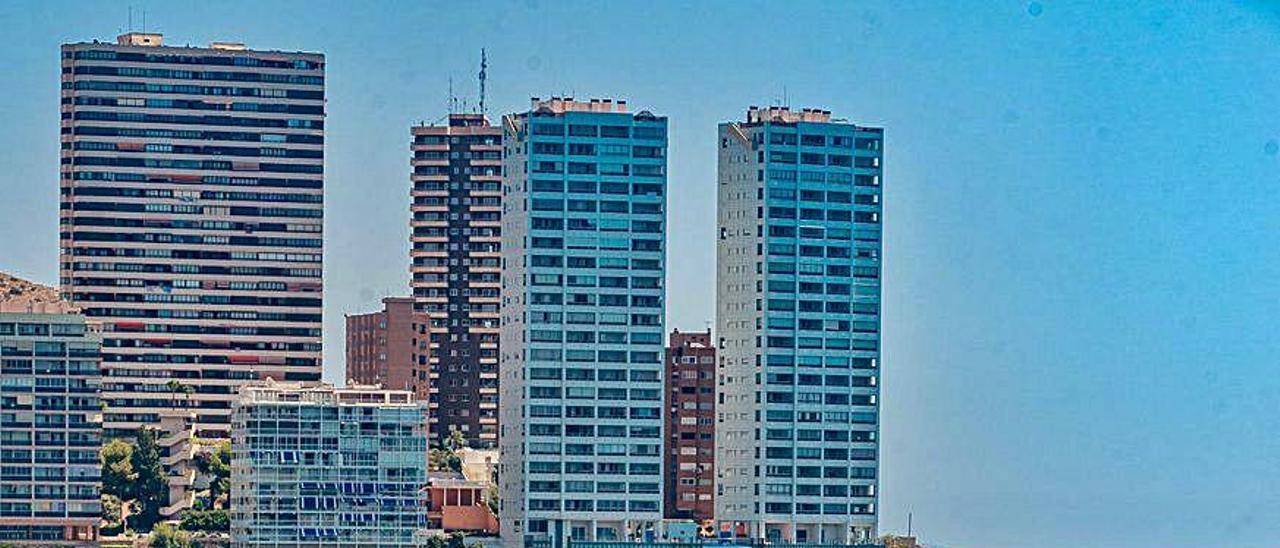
{"x":134,"y":488}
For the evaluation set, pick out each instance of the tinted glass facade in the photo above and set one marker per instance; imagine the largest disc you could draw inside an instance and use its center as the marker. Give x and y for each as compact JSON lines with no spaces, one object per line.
{"x":328,"y":467}
{"x":192,"y":195}
{"x":798,"y":316}
{"x":584,"y":196}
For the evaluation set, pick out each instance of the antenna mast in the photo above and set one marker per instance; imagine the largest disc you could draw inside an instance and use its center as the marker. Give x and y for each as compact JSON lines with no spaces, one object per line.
{"x":484,"y":64}
{"x":453,"y":102}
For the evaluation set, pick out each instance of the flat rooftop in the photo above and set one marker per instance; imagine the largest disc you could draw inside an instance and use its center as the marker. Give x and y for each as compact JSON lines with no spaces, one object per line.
{"x":569,"y":104}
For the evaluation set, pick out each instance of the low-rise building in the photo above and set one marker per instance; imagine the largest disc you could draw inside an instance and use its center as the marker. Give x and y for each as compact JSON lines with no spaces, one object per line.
{"x":460,"y":503}
{"x":324,"y":466}
{"x":478,"y":464}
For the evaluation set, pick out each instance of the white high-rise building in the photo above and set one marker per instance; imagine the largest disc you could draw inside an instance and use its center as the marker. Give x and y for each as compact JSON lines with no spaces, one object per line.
{"x":583,"y":233}
{"x":798,"y":321}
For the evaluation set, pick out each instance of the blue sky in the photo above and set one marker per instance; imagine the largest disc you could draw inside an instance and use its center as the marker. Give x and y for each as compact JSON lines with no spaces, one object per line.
{"x":1082,"y":293}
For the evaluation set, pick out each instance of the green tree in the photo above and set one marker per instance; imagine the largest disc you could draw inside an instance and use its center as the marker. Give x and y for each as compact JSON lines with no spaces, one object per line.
{"x":216,"y":462}
{"x":456,"y":440}
{"x":436,"y":541}
{"x":112,"y":514}
{"x":206,"y":520}
{"x":221,"y":462}
{"x":456,"y":540}
{"x":168,"y":536}
{"x":117,"y":469}
{"x":221,"y":468}
{"x":491,"y":497}
{"x":444,"y":460}
{"x":152,"y":491}
{"x":176,"y":387}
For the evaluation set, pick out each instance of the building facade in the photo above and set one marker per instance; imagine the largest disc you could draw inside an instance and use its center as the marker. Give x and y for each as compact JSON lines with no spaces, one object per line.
{"x":456,"y":237}
{"x":50,"y":420}
{"x":192,"y":194}
{"x":460,"y":504}
{"x":390,"y":348}
{"x":583,"y":234}
{"x":176,"y":439}
{"x":691,"y":426}
{"x":798,"y":321}
{"x":324,"y":466}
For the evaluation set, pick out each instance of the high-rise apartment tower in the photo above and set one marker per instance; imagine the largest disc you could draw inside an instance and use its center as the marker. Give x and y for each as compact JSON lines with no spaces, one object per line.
{"x":192,"y":196}
{"x":456,"y":225}
{"x":584,"y":195}
{"x":798,"y":321}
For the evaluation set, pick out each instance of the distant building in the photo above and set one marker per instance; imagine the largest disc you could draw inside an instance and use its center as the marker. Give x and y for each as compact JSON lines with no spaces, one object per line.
{"x":318,"y":465}
{"x":192,"y":188}
{"x":390,"y":348}
{"x":798,"y":322}
{"x":690,"y":421}
{"x":583,"y":236}
{"x":50,"y":419}
{"x":456,"y":236}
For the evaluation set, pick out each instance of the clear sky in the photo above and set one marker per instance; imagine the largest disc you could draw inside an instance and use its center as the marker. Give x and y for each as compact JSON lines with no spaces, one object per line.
{"x":1082,"y":256}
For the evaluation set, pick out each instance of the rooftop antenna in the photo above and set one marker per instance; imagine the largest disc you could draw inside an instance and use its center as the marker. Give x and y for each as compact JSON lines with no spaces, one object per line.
{"x":484,"y":64}
{"x":453,"y":101}
{"x":144,"y":20}
{"x":130,"y":19}
{"x":908,"y":523}
{"x":785,"y":102}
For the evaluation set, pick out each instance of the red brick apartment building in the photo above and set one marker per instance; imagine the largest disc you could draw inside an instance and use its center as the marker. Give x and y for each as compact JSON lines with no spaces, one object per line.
{"x":690,"y":416}
{"x":390,"y":347}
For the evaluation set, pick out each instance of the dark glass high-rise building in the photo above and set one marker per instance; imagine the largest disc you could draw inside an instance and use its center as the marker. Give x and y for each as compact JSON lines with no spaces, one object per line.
{"x":192,"y":202}
{"x":456,"y":268}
